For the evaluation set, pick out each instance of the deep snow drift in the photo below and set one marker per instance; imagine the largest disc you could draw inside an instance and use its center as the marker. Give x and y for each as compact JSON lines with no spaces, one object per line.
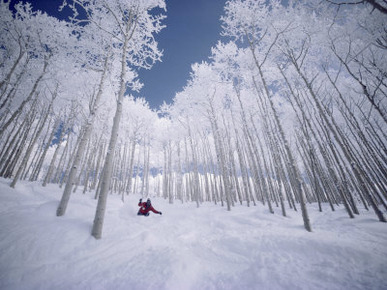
{"x":185,"y":248}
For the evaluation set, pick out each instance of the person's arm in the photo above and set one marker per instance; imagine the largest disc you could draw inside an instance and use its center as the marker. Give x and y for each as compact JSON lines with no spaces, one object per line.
{"x":140,"y":202}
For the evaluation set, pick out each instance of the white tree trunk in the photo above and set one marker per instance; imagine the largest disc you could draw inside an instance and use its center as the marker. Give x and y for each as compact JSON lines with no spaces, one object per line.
{"x":81,"y":148}
{"x":108,"y":167}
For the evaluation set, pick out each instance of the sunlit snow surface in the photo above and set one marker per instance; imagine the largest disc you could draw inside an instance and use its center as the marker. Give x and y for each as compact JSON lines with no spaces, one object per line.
{"x":185,"y":248}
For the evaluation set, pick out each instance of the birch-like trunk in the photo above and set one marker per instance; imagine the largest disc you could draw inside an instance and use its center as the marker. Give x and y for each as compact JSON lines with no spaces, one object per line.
{"x":220,"y":156}
{"x":131,"y":166}
{"x":108,"y":167}
{"x":29,"y":149}
{"x":38,"y":168}
{"x":61,"y":210}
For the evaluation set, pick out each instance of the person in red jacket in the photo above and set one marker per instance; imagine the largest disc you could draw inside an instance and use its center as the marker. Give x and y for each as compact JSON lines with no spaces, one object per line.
{"x":146,"y":207}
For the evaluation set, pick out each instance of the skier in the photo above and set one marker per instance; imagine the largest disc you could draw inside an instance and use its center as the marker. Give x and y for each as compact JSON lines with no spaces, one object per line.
{"x":145,"y":207}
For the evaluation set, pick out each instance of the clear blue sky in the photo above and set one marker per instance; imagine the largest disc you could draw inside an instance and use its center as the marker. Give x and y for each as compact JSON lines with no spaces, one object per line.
{"x":193,"y":27}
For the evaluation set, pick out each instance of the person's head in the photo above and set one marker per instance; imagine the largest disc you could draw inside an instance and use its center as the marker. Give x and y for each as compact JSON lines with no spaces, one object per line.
{"x":148,"y":202}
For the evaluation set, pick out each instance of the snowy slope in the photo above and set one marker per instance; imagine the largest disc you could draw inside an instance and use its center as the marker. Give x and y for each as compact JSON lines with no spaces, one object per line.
{"x":185,"y":248}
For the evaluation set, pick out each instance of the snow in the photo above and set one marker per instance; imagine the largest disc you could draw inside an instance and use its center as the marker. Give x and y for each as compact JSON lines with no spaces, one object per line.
{"x":185,"y":248}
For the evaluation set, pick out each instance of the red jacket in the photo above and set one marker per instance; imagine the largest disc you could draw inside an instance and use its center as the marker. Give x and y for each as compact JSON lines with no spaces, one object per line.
{"x":144,"y":209}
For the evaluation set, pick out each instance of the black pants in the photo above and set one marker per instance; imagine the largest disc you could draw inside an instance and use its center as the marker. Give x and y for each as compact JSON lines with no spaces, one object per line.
{"x":144,"y":214}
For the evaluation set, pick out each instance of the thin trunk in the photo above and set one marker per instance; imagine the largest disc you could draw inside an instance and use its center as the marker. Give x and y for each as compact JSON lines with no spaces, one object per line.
{"x":29,"y":150}
{"x":107,"y":171}
{"x":61,"y":210}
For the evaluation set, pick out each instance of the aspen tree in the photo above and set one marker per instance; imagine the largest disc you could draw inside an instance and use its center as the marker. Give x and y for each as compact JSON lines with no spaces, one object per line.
{"x":61,"y":210}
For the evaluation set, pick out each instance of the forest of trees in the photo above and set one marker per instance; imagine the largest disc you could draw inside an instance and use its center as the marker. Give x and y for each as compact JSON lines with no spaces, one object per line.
{"x":290,"y":110}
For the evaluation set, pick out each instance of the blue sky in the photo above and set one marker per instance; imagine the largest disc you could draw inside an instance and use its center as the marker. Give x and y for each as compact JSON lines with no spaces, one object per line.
{"x":193,"y":27}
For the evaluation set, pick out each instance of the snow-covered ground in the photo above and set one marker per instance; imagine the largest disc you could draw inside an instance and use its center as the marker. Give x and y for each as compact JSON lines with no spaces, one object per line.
{"x":185,"y":248}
